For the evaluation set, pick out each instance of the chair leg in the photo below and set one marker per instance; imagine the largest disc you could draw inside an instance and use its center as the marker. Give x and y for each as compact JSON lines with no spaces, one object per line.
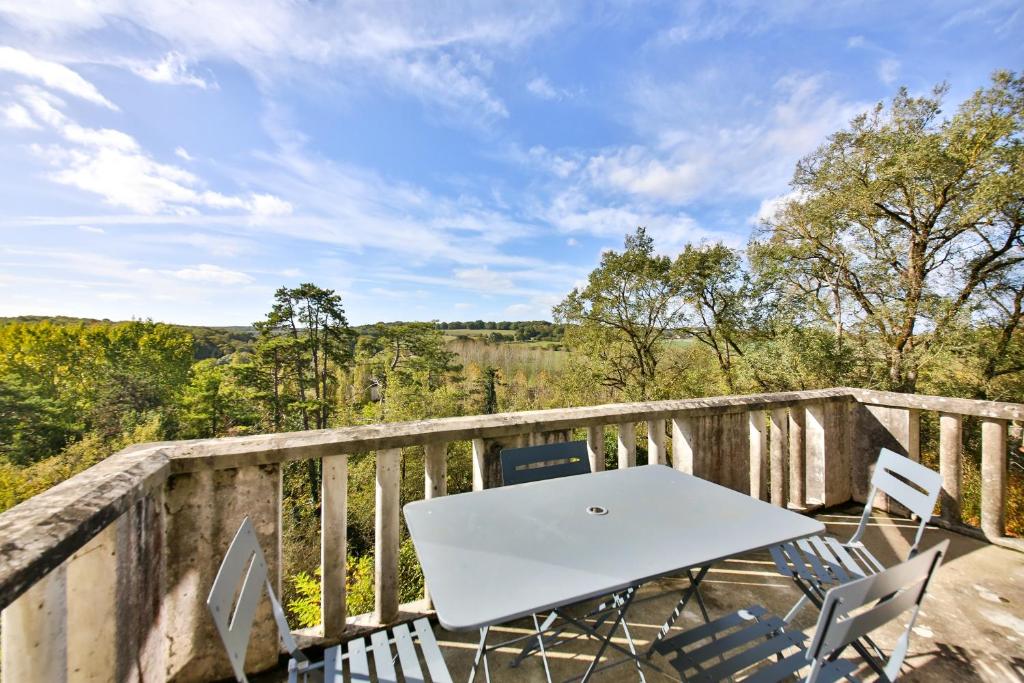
{"x":800,"y":604}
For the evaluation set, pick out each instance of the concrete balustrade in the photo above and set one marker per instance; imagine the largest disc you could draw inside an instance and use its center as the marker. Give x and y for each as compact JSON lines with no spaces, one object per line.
{"x":125,"y":552}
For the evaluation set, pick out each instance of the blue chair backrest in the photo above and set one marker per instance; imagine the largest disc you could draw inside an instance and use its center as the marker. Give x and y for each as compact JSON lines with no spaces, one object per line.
{"x":537,"y":463}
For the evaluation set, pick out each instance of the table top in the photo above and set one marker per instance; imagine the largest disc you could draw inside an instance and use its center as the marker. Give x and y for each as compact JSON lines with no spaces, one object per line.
{"x":496,"y":555}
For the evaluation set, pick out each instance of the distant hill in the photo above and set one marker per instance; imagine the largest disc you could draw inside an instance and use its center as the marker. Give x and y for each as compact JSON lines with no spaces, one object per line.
{"x":210,"y":341}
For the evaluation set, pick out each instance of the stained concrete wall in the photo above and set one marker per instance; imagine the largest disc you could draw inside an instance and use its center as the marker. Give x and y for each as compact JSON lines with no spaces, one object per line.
{"x":877,"y":427}
{"x":204,"y":510}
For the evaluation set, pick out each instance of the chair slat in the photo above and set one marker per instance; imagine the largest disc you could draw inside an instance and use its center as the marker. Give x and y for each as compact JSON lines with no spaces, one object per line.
{"x":724,"y":643}
{"x":411,"y":671}
{"x":845,"y":558}
{"x":383,"y":660}
{"x":769,"y":648}
{"x":797,"y":561}
{"x":829,"y":559}
{"x":780,"y":670}
{"x":780,"y":561}
{"x":930,"y":481}
{"x":431,"y":652}
{"x":358,"y":666}
{"x":811,"y":558}
{"x":694,"y":635}
{"x":333,"y":665}
{"x":537,"y":463}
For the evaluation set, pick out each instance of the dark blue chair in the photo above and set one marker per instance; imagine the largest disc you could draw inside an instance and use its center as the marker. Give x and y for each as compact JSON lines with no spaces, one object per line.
{"x":550,"y":461}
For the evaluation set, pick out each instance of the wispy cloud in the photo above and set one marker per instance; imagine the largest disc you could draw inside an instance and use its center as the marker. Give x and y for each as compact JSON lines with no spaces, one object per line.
{"x":889,"y":70}
{"x":172,"y":69}
{"x":112,"y":164}
{"x":51,"y":74}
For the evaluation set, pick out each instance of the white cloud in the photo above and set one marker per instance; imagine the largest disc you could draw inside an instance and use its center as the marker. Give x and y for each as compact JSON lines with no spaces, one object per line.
{"x":112,"y":164}
{"x":182,"y":153}
{"x":173,"y":69}
{"x":889,"y":70}
{"x":206,"y":272}
{"x":484,"y":280}
{"x":438,"y":54}
{"x":16,"y":116}
{"x":92,"y":229}
{"x":542,"y":88}
{"x":714,"y":158}
{"x":51,"y":74}
{"x":771,"y":207}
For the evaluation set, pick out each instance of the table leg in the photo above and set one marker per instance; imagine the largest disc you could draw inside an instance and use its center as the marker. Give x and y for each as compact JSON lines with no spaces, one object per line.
{"x":481,"y":653}
{"x":623,"y":607}
{"x":681,"y":605}
{"x":540,"y":644}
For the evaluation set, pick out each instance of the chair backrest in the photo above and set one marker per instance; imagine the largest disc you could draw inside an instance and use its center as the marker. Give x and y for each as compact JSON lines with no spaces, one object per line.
{"x":536,"y":463}
{"x":886,"y":479}
{"x":244,"y":564}
{"x":854,"y":609}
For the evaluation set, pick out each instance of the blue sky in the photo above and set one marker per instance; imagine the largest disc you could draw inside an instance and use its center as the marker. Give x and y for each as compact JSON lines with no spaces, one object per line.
{"x":451,"y":161}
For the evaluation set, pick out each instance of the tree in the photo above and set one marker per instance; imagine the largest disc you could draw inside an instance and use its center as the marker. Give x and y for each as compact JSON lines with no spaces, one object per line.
{"x":304,"y":343}
{"x":713,"y":283}
{"x":619,"y":321}
{"x":901,"y":224}
{"x":404,"y":353}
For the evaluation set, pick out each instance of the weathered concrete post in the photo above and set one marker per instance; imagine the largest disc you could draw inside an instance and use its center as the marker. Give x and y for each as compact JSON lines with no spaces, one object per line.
{"x":656,"y":442}
{"x":334,"y":545}
{"x":950,"y":465}
{"x":435,"y":482}
{"x":779,"y":443}
{"x":479,"y":464}
{"x":595,"y":447}
{"x":683,"y":444}
{"x":385,"y":562}
{"x":92,"y":602}
{"x":627,"y":445}
{"x":35,"y":646}
{"x":993,"y":477}
{"x":797,"y":459}
{"x":758,"y":454}
{"x":828,"y":464}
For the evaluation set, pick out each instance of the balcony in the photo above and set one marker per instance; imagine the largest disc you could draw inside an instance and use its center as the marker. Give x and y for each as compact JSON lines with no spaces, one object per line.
{"x":104,"y":577}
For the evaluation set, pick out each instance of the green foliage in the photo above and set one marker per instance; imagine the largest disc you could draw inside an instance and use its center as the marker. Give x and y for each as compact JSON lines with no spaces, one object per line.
{"x":359,"y":595}
{"x":619,"y":322}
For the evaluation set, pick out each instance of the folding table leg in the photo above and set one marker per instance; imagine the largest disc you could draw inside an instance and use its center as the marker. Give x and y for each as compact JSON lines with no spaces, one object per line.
{"x":540,"y":644}
{"x":481,"y":653}
{"x":681,"y":605}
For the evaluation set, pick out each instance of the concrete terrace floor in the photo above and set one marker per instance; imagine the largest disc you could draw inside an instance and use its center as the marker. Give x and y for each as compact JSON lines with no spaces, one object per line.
{"x":971,"y":627}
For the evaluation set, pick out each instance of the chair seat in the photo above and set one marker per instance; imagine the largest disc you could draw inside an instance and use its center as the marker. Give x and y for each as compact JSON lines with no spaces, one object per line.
{"x":825,"y":561}
{"x":741,"y":640}
{"x":413,"y":642}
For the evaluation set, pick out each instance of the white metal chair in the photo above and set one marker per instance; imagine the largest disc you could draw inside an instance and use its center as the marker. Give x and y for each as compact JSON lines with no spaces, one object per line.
{"x":752,"y":639}
{"x":244,"y":565}
{"x":816,"y":563}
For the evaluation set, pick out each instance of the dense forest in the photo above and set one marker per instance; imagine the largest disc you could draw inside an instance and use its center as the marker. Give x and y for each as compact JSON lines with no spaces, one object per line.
{"x":896,"y":262}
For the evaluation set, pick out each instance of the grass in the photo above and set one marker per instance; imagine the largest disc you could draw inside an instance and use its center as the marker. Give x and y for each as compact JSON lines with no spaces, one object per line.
{"x":509,"y":358}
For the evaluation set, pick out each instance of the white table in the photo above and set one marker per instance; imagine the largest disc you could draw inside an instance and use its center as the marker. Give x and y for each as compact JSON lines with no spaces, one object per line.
{"x":494,"y":556}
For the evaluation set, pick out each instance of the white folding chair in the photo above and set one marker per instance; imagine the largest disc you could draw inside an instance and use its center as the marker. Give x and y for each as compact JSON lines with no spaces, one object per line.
{"x":754,"y":641}
{"x":244,"y":564}
{"x":818,"y":562}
